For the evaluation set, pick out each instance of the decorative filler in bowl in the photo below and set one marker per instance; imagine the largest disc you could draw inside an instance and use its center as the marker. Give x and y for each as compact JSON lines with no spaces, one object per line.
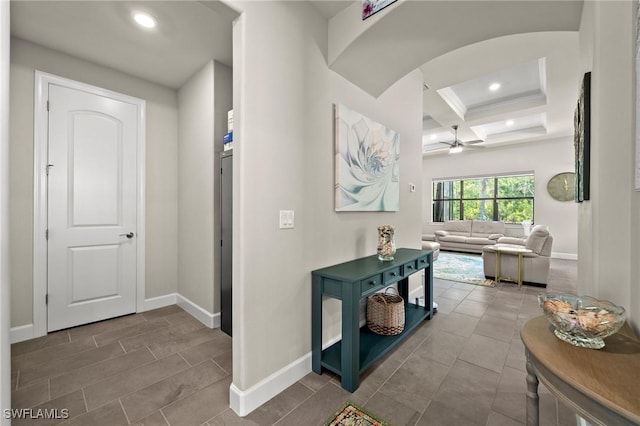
{"x":581,"y":320}
{"x":386,"y":243}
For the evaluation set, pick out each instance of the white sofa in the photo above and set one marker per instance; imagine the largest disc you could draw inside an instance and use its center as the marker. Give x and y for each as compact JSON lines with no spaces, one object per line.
{"x":431,"y":244}
{"x":535,"y":265}
{"x":469,"y":235}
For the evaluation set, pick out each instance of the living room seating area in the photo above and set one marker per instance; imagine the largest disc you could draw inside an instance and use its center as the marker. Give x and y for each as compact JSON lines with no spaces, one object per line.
{"x":468,"y":235}
{"x":535,"y":264}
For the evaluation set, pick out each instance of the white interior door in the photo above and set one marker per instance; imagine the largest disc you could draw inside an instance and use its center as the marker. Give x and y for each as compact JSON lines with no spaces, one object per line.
{"x":91,"y":207}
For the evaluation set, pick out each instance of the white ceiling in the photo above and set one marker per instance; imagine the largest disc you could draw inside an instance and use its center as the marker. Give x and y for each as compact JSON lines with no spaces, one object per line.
{"x":537,"y":71}
{"x":189,"y":34}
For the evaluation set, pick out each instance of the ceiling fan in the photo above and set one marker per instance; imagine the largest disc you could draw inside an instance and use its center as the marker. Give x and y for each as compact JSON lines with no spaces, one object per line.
{"x":457,"y":145}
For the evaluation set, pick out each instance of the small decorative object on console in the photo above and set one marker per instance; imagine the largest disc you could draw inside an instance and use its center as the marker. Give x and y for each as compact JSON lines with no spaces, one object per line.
{"x":386,"y":243}
{"x":581,"y":320}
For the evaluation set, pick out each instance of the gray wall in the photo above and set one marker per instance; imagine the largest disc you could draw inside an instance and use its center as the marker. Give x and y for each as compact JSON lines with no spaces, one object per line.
{"x":608,"y":266}
{"x":283,"y":160}
{"x":161,"y":168}
{"x":544,"y":159}
{"x":203,"y":102}
{"x":195,"y":188}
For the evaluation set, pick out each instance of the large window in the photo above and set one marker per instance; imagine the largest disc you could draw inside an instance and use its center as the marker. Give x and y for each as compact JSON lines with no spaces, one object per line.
{"x":507,"y":199}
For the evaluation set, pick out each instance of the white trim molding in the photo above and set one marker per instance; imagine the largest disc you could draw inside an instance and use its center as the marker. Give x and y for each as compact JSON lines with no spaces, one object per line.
{"x":158,"y":302}
{"x":244,"y":402}
{"x":199,"y":313}
{"x":21,"y":333}
{"x":40,"y":156}
{"x":564,"y":256}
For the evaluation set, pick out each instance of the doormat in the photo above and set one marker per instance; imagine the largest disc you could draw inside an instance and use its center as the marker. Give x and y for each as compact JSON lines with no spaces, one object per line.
{"x":463,"y":268}
{"x":351,"y":414}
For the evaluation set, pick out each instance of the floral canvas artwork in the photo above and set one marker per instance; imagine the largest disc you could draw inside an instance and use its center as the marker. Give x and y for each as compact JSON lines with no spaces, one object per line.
{"x":367,"y":163}
{"x":369,"y":7}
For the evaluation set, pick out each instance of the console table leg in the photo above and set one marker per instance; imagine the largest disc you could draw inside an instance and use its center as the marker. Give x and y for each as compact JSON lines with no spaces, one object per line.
{"x":350,"y":356}
{"x":533,"y":413}
{"x":427,"y":285}
{"x":316,"y":325}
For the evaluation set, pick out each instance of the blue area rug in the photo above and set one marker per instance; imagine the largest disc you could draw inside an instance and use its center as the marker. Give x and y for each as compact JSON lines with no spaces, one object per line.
{"x":464,"y":268}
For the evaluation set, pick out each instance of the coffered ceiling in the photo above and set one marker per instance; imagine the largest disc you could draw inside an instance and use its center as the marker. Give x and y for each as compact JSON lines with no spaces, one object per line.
{"x":513,"y":89}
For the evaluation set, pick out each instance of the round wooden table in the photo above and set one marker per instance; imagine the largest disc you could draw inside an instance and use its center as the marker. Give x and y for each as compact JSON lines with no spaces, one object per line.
{"x":600,"y":385}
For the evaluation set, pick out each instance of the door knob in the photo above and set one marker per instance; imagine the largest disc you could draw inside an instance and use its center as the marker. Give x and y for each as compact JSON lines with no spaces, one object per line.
{"x":129,"y":235}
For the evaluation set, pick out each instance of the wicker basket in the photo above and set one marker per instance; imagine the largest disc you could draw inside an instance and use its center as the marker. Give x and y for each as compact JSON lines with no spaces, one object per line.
{"x":385,"y":313}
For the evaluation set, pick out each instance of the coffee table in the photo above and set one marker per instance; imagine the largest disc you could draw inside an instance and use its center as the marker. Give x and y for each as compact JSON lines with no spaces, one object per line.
{"x":510,"y":250}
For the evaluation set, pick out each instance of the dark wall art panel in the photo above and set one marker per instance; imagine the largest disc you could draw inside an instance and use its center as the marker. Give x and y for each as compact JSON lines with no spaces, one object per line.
{"x":582,"y":139}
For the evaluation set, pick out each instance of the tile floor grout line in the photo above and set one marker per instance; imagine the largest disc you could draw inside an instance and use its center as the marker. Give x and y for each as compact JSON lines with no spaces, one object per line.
{"x":124,"y":411}
{"x":425,"y":410}
{"x":398,"y":368}
{"x":217,"y":415}
{"x":154,"y":355}
{"x":301,"y":402}
{"x":306,"y":386}
{"x":84,"y":399}
{"x":191,"y":365}
{"x":164,"y":417}
{"x":219,"y":366}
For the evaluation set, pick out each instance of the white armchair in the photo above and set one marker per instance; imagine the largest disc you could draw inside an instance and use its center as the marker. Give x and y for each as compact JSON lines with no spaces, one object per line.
{"x":535,"y":265}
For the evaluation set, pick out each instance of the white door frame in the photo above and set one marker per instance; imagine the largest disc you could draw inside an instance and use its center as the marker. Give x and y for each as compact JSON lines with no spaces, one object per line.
{"x":42,"y":81}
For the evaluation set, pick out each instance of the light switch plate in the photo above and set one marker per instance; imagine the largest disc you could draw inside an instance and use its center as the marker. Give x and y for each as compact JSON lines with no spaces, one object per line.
{"x":286,"y":219}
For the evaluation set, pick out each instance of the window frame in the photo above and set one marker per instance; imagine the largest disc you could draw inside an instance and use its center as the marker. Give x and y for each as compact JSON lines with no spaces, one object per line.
{"x":493,"y":200}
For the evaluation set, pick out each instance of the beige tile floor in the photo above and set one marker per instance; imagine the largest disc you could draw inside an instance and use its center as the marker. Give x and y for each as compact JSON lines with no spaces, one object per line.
{"x":162,"y":367}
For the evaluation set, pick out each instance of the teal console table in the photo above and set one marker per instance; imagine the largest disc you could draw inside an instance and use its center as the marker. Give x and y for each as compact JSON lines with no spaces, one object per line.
{"x":351,"y":281}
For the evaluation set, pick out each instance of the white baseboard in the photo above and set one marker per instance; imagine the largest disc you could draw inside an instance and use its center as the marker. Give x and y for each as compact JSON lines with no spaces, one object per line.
{"x":26,"y":332}
{"x":21,"y":333}
{"x":202,"y":315}
{"x":159,"y":302}
{"x":564,"y":256}
{"x":244,"y":402}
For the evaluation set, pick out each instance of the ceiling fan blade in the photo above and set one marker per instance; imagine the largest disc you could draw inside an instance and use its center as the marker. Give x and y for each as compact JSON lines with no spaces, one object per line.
{"x":473,"y":142}
{"x":447,"y":143}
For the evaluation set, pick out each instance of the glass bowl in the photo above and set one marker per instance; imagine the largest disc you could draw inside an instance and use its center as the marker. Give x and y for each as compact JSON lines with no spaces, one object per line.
{"x":581,"y":320}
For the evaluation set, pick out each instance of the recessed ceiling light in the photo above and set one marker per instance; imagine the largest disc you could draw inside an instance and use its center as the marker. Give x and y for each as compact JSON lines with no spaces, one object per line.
{"x":434,"y":137}
{"x":145,"y":20}
{"x":509,"y":123}
{"x":494,"y":86}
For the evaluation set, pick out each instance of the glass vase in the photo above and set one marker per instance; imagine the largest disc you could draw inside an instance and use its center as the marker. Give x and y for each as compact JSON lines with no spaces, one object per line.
{"x":386,"y":243}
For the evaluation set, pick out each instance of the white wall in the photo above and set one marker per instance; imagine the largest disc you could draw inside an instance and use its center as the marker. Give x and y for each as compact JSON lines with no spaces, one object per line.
{"x":161,"y":168}
{"x":203,"y":102}
{"x":5,"y":348}
{"x":608,"y":261}
{"x":283,"y":159}
{"x":195,"y":188}
{"x":544,"y":159}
